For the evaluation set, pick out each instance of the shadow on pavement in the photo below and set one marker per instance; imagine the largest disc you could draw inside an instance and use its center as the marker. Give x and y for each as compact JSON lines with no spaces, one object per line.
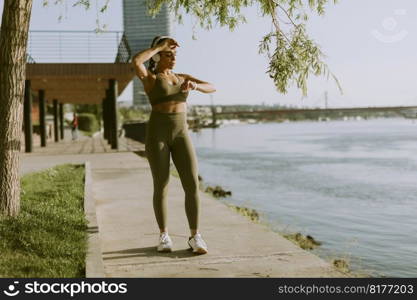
{"x":148,"y":252}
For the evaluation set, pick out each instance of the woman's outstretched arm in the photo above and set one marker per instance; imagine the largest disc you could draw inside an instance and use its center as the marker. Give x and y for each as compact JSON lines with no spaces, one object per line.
{"x":202,"y":86}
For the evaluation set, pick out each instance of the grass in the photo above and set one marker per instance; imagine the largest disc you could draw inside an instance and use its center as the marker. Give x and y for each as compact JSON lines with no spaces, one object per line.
{"x":48,"y":238}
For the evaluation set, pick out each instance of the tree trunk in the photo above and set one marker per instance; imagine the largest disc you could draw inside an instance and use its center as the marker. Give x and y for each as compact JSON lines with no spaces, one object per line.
{"x":13,"y":42}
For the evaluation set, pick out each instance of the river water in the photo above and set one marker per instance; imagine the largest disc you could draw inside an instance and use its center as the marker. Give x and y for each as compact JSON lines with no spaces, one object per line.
{"x":350,"y":184}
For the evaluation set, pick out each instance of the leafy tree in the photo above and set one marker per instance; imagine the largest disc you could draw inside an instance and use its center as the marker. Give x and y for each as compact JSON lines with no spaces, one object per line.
{"x":293,"y":57}
{"x":13,"y":42}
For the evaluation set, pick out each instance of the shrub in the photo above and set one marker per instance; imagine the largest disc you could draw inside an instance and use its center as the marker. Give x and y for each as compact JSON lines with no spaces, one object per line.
{"x":87,"y":122}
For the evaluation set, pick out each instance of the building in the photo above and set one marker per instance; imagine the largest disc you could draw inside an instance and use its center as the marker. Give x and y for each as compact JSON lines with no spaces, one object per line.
{"x":140,"y":29}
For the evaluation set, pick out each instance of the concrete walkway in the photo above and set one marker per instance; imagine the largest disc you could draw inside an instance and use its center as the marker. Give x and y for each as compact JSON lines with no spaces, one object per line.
{"x":122,"y":190}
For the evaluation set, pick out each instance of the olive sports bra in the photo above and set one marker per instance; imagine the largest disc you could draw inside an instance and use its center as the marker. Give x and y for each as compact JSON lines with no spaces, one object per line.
{"x":164,"y":91}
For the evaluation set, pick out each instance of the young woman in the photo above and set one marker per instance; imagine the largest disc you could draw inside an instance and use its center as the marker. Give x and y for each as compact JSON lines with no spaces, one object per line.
{"x":167,"y":134}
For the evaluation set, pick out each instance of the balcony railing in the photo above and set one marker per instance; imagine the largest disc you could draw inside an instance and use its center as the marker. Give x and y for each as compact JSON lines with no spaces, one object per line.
{"x":77,"y":47}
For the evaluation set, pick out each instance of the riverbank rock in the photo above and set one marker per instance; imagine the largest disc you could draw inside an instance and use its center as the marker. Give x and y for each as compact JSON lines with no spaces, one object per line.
{"x":218,"y":191}
{"x":305,"y":242}
{"x":312,"y":240}
{"x":341,"y":265}
{"x":248,"y":212}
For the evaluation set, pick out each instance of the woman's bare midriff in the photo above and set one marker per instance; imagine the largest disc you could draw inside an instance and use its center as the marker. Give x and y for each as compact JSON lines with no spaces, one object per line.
{"x":170,"y":106}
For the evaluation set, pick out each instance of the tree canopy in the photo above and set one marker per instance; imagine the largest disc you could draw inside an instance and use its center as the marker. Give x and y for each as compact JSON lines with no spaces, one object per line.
{"x":292,"y":54}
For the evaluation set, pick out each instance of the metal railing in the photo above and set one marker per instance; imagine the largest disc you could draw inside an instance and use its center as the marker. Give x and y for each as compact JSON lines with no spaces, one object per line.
{"x":45,"y":46}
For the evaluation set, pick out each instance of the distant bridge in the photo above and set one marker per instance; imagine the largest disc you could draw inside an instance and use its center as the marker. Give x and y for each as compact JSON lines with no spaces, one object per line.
{"x":406,"y":111}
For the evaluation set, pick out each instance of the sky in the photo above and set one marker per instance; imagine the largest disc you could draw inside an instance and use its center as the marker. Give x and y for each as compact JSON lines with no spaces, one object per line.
{"x":370,"y":45}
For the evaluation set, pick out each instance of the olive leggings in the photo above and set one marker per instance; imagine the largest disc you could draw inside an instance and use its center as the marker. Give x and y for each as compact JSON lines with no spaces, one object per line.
{"x":167,"y":134}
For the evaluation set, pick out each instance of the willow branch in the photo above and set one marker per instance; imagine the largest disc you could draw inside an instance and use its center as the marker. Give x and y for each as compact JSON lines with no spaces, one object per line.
{"x":285,"y":11}
{"x":276,"y":22}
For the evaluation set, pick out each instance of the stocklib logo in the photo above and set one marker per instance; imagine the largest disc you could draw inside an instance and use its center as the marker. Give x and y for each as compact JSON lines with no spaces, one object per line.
{"x":391,"y":32}
{"x":11,"y":291}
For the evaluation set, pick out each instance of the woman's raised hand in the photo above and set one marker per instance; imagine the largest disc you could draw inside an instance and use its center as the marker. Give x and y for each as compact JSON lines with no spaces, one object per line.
{"x":168,"y":45}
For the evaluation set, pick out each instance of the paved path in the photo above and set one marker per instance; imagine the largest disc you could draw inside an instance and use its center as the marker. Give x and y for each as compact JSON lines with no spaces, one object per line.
{"x":122,"y":190}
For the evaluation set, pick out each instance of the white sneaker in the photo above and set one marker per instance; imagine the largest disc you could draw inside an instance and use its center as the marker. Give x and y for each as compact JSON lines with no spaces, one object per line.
{"x":165,"y":243}
{"x":198,"y":244}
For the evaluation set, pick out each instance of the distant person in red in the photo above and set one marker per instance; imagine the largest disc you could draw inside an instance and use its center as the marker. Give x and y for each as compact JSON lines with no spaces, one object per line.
{"x":74,"y":127}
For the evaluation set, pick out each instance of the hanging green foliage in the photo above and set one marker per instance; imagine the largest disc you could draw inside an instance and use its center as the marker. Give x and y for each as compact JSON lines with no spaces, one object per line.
{"x":292,"y":54}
